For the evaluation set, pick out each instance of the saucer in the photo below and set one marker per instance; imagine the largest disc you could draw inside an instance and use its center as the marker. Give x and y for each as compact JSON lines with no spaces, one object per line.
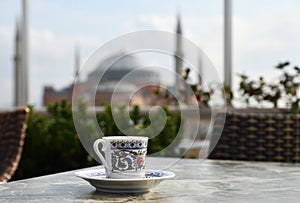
{"x":97,"y":178}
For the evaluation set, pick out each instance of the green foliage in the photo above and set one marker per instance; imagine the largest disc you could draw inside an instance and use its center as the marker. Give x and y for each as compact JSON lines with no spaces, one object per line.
{"x":106,"y":121}
{"x":51,"y":144}
{"x":186,"y":92}
{"x":141,"y":121}
{"x":166,"y":136}
{"x":135,"y":115}
{"x":295,"y":107}
{"x":202,"y":95}
{"x":282,"y":89}
{"x":228,"y":94}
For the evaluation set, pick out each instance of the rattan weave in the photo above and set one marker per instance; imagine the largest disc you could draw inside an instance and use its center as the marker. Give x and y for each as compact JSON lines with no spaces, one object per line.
{"x":257,"y":137}
{"x":12,"y":135}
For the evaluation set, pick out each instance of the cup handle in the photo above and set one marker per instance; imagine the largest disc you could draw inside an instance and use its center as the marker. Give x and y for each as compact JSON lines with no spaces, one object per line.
{"x":104,"y":148}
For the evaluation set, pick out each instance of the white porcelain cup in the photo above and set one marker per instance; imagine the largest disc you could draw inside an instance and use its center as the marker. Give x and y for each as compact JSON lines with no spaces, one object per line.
{"x":125,"y":156}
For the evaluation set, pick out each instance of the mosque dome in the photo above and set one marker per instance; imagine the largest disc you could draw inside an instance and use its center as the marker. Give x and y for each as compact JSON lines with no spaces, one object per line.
{"x":111,"y":87}
{"x":118,"y":66}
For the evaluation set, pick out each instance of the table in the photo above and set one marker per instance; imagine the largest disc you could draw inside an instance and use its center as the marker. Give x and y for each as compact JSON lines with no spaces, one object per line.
{"x":195,"y":181}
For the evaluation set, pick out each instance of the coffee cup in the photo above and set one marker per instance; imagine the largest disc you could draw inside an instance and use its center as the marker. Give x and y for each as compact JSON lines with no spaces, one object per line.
{"x":124,"y":156}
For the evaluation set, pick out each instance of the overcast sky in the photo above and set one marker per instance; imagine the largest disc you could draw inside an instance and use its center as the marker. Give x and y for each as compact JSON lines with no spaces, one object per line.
{"x":265,"y":32}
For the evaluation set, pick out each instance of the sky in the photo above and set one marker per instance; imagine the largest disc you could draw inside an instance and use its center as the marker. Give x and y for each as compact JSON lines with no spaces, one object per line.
{"x":265,"y":32}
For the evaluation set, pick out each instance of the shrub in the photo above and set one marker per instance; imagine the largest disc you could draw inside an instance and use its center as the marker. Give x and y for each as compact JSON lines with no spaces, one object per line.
{"x":283,"y":89}
{"x":52,"y":144}
{"x":142,"y":121}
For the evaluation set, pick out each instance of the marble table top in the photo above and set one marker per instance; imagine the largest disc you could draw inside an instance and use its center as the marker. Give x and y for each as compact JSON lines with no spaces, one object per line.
{"x":195,"y":181}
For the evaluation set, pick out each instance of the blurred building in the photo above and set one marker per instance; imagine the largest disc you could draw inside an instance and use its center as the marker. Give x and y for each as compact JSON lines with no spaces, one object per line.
{"x":112,"y":70}
{"x":121,"y":67}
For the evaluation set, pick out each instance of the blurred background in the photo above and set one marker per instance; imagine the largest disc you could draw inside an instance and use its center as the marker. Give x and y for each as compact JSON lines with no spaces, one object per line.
{"x":62,"y":35}
{"x":44,"y":45}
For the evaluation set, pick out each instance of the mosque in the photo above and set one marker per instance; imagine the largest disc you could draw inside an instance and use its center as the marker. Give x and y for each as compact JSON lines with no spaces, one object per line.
{"x":124,"y":65}
{"x":116,"y":71}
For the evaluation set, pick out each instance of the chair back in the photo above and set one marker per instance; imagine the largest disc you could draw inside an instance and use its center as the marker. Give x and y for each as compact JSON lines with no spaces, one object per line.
{"x":257,"y":137}
{"x":12,"y":135}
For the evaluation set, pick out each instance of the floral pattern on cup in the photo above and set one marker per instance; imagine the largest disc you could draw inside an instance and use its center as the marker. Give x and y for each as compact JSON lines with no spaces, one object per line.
{"x":128,"y":160}
{"x":124,"y":156}
{"x":128,"y":144}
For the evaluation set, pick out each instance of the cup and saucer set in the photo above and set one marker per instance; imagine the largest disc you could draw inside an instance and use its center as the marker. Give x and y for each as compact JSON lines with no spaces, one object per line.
{"x":124,"y":164}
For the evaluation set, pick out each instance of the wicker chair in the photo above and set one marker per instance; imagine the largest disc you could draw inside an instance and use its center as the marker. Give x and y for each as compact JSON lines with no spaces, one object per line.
{"x":12,"y":135}
{"x":257,"y":137}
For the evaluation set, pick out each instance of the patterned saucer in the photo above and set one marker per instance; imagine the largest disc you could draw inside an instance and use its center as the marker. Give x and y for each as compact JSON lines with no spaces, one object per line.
{"x":97,"y":178}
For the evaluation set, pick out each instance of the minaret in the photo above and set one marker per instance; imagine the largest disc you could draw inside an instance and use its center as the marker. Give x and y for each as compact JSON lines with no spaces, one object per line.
{"x":178,"y":53}
{"x":77,"y":64}
{"x":200,"y":70}
{"x":228,"y":43}
{"x":22,"y":60}
{"x":25,"y":54}
{"x":18,"y":65}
